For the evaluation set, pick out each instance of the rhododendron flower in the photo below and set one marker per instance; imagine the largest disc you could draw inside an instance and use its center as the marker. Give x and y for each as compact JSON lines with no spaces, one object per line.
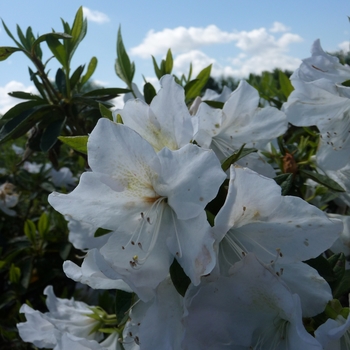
{"x":64,"y":316}
{"x":321,"y":66}
{"x":257,"y":218}
{"x":8,"y":198}
{"x":250,"y":308}
{"x":240,"y":122}
{"x":163,"y":313}
{"x":154,"y":203}
{"x":166,"y":122}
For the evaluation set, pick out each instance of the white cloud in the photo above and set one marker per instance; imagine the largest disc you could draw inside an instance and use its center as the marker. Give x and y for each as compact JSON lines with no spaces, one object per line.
{"x":95,"y":16}
{"x":199,"y":61}
{"x":278,"y":27}
{"x":6,"y":101}
{"x":180,"y":39}
{"x":344,"y":46}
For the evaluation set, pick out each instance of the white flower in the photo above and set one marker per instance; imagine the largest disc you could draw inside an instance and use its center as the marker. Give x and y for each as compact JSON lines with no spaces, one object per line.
{"x":334,"y":334}
{"x":240,"y":121}
{"x":154,"y":203}
{"x":321,"y":65}
{"x":257,"y":218}
{"x":62,"y":177}
{"x":8,"y":198}
{"x":251,"y":308}
{"x":156,"y":324}
{"x":166,"y":122}
{"x":64,"y":316}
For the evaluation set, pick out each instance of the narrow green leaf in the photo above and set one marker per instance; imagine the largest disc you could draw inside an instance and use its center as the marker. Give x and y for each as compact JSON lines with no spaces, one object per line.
{"x":55,"y":35}
{"x":25,"y":95}
{"x":58,"y":50}
{"x":215,"y":104}
{"x":78,"y":31}
{"x":242,"y":152}
{"x":78,"y":143}
{"x":22,"y":38}
{"x":23,"y":122}
{"x":123,"y":302}
{"x":14,"y":274}
{"x":37,"y":84}
{"x":50,"y":134}
{"x":105,"y":112}
{"x":124,"y":69}
{"x":149,"y":92}
{"x":189,"y":85}
{"x":202,"y":79}
{"x":7,"y":51}
{"x":343,"y":287}
{"x":19,"y":108}
{"x":323,"y":180}
{"x":43,"y":225}
{"x":90,"y":70}
{"x":30,"y":230}
{"x":179,"y":278}
{"x":11,"y":36}
{"x":60,"y":81}
{"x":75,"y":77}
{"x":101,"y":232}
{"x":169,"y":62}
{"x":156,"y":68}
{"x":285,"y":83}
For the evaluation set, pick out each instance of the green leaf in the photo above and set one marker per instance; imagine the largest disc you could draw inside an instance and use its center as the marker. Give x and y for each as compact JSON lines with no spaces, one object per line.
{"x":149,"y":92}
{"x":285,"y":83}
{"x":61,"y":82}
{"x":285,"y":181}
{"x":20,"y":124}
{"x":78,"y":143}
{"x":7,"y":51}
{"x":11,"y":36}
{"x":323,"y":268}
{"x":25,"y":96}
{"x":179,"y":278}
{"x":30,"y":230}
{"x":19,"y":108}
{"x":189,"y":85}
{"x":75,"y":77}
{"x":90,"y":70}
{"x":343,"y":287}
{"x":215,"y":104}
{"x":49,"y":136}
{"x":106,"y":112}
{"x":202,"y":79}
{"x":37,"y":84}
{"x":123,"y":302}
{"x":168,"y":62}
{"x":22,"y":38}
{"x":58,"y":50}
{"x":78,"y":32}
{"x":43,"y":225}
{"x":101,"y":232}
{"x":55,"y":35}
{"x":323,"y":180}
{"x":124,"y":69}
{"x":156,"y":68}
{"x":14,"y":274}
{"x":242,"y":152}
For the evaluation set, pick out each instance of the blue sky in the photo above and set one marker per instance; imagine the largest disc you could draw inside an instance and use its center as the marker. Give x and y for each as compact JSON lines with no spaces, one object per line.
{"x":237,"y":36}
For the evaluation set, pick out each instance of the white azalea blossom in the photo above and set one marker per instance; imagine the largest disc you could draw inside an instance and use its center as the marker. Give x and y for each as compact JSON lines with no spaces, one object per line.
{"x":250,"y":308}
{"x":166,"y":122}
{"x":163,"y":314}
{"x":321,"y":65}
{"x":257,"y":218}
{"x":334,"y":334}
{"x":240,"y":122}
{"x":154,"y":203}
{"x":8,"y":198}
{"x":64,"y":316}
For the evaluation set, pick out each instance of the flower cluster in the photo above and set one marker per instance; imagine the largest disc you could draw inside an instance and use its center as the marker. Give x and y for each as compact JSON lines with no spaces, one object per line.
{"x":215,"y":258}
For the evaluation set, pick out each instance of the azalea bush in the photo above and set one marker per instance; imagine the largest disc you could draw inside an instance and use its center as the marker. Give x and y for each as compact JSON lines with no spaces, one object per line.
{"x":188,"y":219}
